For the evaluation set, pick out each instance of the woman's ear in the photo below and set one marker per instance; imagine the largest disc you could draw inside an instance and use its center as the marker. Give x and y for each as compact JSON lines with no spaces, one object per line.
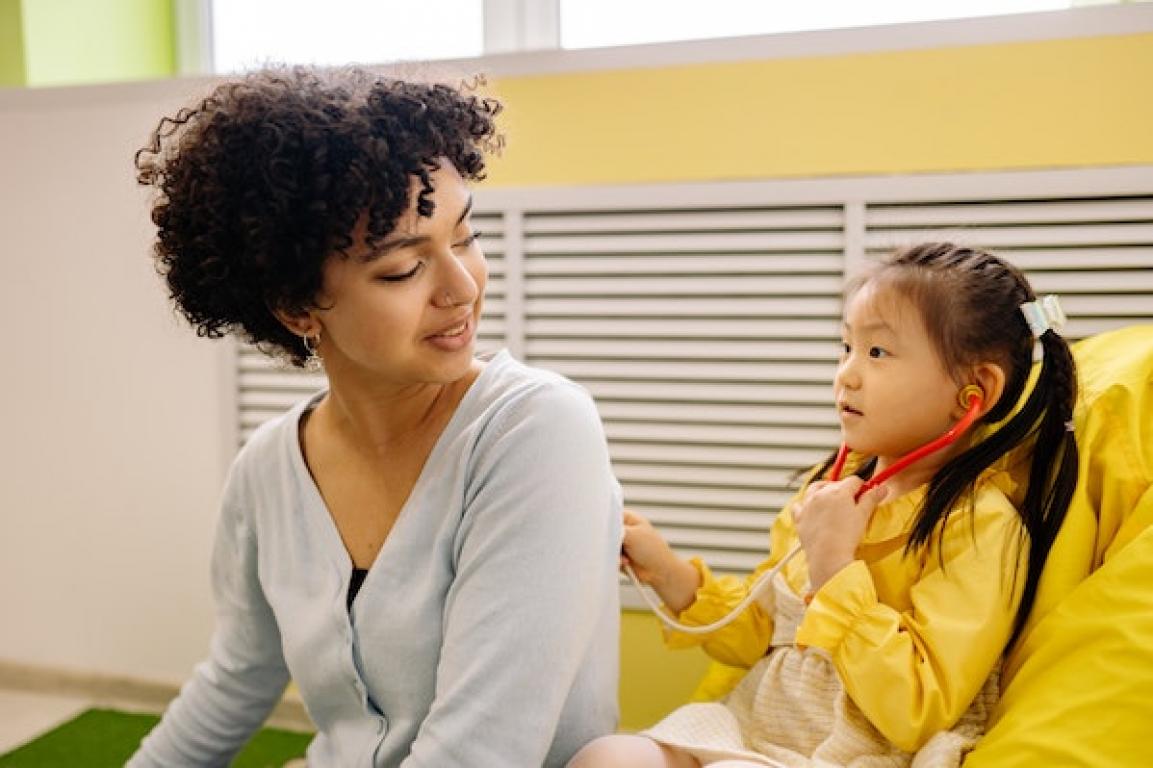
{"x":303,"y":324}
{"x":990,"y":377}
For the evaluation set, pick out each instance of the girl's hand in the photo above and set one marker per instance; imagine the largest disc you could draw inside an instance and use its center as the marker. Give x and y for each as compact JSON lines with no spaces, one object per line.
{"x":655,"y":563}
{"x":830,"y":525}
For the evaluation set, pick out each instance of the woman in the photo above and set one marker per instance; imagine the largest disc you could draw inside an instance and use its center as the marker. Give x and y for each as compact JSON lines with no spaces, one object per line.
{"x":428,"y":548}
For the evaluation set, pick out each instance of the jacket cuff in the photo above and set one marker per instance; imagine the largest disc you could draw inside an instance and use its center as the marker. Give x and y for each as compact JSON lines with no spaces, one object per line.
{"x":714,"y":598}
{"x":837,"y":606}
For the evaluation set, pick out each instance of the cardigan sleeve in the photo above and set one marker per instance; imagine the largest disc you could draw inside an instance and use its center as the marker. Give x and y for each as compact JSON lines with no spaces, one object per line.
{"x":528,"y":666}
{"x":914,"y":672}
{"x":232,"y":692}
{"x":744,"y":641}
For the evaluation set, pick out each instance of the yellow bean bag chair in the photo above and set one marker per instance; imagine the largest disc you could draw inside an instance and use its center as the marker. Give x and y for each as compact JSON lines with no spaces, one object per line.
{"x":1078,"y":685}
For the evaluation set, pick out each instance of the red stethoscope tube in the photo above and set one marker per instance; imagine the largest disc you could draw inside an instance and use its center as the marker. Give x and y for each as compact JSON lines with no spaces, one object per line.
{"x":944,"y":440}
{"x":765,"y":577}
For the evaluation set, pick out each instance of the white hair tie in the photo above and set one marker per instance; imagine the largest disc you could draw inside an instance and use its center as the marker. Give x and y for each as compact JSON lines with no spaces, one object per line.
{"x":1044,"y":314}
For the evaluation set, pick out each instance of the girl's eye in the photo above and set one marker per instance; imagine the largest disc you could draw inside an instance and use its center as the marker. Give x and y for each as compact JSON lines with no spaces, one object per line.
{"x":877,"y":352}
{"x":846,"y":350}
{"x":402,"y":277}
{"x":472,"y":238}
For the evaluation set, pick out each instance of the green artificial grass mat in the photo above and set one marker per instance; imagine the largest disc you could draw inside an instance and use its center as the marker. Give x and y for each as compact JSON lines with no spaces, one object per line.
{"x":103,"y":738}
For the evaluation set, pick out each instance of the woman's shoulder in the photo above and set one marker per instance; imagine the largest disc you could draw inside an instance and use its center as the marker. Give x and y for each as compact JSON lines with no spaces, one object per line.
{"x":520,"y":408}
{"x":272,"y":443}
{"x":509,"y":386}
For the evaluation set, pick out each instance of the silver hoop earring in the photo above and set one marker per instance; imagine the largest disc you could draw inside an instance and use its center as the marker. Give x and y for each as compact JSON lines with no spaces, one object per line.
{"x":312,"y":345}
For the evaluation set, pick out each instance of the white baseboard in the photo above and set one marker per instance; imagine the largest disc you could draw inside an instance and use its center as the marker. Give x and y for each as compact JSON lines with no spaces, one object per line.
{"x":129,"y":694}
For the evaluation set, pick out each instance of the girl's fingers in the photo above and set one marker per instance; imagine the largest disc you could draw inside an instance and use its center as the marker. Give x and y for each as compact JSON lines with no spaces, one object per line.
{"x":851,"y":484}
{"x":873,"y":497}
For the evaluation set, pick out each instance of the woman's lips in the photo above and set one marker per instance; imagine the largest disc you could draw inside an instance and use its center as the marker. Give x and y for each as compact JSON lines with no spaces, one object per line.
{"x":454,"y":337}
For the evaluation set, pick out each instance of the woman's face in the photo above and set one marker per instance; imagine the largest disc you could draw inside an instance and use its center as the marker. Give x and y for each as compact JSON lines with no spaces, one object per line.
{"x":406,"y":311}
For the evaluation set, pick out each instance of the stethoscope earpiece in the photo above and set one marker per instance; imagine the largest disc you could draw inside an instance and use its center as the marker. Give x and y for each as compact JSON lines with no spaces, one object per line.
{"x":967,"y":393}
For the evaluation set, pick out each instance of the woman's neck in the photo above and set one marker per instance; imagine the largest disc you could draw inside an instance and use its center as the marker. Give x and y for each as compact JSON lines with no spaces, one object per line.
{"x":376,"y":419}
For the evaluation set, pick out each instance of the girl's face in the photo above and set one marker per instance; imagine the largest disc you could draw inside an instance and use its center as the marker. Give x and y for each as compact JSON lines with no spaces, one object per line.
{"x":892,"y":391}
{"x":406,"y":311}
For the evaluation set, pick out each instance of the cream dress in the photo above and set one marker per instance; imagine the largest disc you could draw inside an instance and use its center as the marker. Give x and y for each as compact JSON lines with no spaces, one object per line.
{"x":792,"y":710}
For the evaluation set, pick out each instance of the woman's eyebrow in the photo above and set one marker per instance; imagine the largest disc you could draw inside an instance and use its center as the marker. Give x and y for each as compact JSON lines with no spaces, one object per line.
{"x":406,"y":241}
{"x":879,"y":325}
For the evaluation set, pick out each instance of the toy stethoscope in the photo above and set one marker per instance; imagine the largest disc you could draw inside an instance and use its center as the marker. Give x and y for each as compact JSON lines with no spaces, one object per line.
{"x":971,"y":396}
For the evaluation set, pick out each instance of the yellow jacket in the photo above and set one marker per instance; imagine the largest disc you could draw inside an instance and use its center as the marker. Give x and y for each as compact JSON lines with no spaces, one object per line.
{"x":914,"y":637}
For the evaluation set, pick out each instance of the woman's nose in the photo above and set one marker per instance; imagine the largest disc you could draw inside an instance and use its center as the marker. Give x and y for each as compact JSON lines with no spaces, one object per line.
{"x":458,"y":286}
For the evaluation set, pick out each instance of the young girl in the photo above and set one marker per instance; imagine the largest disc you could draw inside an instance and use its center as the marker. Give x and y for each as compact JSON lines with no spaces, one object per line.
{"x":879,"y":644}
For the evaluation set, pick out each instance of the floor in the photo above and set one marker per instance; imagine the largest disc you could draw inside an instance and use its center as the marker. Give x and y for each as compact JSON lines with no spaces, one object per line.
{"x":24,"y":716}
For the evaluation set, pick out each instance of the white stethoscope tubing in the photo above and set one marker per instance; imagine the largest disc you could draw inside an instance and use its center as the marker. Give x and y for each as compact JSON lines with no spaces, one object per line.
{"x":757,"y":587}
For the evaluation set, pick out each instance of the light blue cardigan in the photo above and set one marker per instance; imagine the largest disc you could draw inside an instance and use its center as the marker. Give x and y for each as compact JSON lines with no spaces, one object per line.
{"x":486,"y":632}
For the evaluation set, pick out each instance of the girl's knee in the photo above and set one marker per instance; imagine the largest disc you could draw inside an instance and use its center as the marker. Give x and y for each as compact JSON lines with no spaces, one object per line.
{"x":619,"y":751}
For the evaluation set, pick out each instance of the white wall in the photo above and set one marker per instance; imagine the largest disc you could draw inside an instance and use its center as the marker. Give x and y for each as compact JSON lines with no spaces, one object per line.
{"x":111,"y":455}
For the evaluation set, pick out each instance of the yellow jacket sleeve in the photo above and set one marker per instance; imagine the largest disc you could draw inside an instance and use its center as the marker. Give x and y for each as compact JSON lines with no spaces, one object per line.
{"x":743,"y":642}
{"x":914,"y":671}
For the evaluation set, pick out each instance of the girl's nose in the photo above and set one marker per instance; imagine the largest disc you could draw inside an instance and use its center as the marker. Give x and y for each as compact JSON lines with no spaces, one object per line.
{"x":847,"y":374}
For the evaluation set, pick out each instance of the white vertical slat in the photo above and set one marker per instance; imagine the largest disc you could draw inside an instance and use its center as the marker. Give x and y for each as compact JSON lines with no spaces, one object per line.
{"x":493,"y":328}
{"x":231,"y":414}
{"x":514,"y":282}
{"x":854,"y":237}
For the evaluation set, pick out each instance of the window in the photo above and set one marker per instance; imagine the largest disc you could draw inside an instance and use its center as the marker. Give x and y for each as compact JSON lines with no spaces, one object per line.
{"x":224,"y":36}
{"x":254,"y":32}
{"x":594,"y":23}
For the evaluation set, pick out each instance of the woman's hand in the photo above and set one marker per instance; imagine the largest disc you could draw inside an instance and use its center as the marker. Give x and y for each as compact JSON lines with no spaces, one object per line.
{"x":655,"y":563}
{"x":830,"y":525}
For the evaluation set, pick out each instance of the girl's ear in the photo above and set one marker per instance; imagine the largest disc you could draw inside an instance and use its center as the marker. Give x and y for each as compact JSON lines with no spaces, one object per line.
{"x":990,"y":377}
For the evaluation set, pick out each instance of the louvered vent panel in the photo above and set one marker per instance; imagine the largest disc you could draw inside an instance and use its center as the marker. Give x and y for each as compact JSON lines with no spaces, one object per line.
{"x":268,"y":388}
{"x":491,"y":334}
{"x":708,"y":334}
{"x":708,"y":338}
{"x":1097,"y":253}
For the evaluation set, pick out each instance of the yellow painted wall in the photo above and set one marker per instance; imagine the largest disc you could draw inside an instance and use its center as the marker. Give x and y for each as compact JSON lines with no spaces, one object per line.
{"x":70,"y":42}
{"x":654,"y":679}
{"x":1051,"y":104}
{"x":1032,"y":105}
{"x":11,"y":44}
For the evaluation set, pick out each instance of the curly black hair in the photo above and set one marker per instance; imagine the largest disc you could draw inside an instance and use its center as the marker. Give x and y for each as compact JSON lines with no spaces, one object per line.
{"x":264,"y":179}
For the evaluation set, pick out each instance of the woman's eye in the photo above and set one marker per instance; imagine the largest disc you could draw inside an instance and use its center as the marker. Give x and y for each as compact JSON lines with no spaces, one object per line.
{"x":846,"y":350}
{"x":402,"y":277}
{"x":472,"y":238}
{"x":877,"y":352}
